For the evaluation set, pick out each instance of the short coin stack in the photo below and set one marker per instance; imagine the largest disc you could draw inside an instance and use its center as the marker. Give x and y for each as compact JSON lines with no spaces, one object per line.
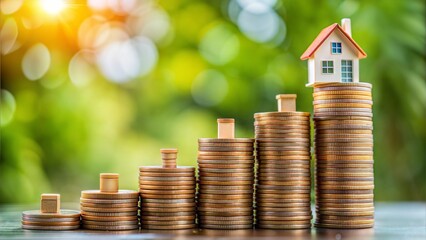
{"x":167,"y":194}
{"x":226,"y":178}
{"x":344,"y":155}
{"x":283,"y":175}
{"x":109,"y":209}
{"x":50,"y":216}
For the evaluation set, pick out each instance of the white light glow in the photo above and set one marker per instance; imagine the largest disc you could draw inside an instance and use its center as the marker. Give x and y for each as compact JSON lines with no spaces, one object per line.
{"x":53,"y":6}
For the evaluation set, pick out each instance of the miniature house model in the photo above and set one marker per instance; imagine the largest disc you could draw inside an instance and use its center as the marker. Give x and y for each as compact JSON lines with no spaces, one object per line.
{"x":333,"y":56}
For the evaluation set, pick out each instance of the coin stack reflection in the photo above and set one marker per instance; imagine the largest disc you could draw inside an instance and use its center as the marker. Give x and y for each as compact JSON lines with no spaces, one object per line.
{"x":283,"y":174}
{"x":344,"y":155}
{"x":109,"y":209}
{"x":225,"y":180}
{"x":167,"y":194}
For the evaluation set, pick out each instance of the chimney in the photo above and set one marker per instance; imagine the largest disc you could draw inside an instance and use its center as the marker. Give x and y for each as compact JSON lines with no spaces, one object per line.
{"x":346,"y":25}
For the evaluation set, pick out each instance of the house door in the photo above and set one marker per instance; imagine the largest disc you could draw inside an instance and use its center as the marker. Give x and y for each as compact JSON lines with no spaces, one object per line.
{"x":347,"y":71}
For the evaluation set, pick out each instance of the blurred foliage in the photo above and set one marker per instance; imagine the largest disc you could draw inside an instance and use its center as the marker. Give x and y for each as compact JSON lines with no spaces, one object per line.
{"x":57,"y":137}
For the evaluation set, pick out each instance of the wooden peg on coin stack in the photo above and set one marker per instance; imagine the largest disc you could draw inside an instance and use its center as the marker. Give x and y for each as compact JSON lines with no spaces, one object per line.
{"x":283,"y":190}
{"x":109,"y":209}
{"x":226,"y":178}
{"x":167,"y":194}
{"x":50,"y":216}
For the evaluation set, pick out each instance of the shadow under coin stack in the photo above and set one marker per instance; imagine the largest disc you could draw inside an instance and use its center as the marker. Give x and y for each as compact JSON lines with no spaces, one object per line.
{"x":167,"y":194}
{"x":226,"y":178}
{"x":50,"y":216}
{"x":344,"y":155}
{"x":109,"y":209}
{"x":283,"y":187}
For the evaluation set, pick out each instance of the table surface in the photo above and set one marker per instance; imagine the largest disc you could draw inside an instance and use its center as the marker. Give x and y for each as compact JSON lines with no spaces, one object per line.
{"x":393,"y":221}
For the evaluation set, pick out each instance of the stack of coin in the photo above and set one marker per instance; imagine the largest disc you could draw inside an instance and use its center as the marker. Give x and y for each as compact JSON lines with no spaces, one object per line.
{"x":50,"y":216}
{"x":283,"y":173}
{"x":167,"y":194}
{"x":226,"y":178}
{"x":109,"y":209}
{"x":344,"y":155}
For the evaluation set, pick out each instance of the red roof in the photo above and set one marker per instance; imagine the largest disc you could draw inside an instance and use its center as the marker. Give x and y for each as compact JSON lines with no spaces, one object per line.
{"x":323,"y":35}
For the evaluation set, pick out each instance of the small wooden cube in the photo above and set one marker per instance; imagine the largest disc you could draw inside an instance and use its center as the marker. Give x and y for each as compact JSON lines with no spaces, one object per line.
{"x":50,"y":203}
{"x":286,"y":102}
{"x":109,"y":182}
{"x":225,"y":128}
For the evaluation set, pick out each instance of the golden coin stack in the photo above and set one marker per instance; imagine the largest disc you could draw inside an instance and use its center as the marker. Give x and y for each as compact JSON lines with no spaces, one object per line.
{"x":283,"y":173}
{"x":50,"y":216}
{"x":167,"y":194}
{"x":344,"y":155}
{"x":225,"y":180}
{"x":109,"y":209}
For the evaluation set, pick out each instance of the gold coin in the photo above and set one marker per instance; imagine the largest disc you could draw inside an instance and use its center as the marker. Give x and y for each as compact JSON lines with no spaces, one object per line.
{"x":334,"y":114}
{"x":108,"y":210}
{"x":219,"y":201}
{"x":167,"y":174}
{"x":114,"y":205}
{"x":61,"y":214}
{"x":344,"y":196}
{"x":121,"y":194}
{"x":343,"y":206}
{"x":226,"y":158}
{"x":224,"y":205}
{"x":305,"y":149}
{"x":37,"y":219}
{"x":284,"y":132}
{"x":169,"y":223}
{"x":341,"y":92}
{"x":335,"y":89}
{"x":161,"y":209}
{"x":166,"y":205}
{"x":109,"y":223}
{"x":172,"y":227}
{"x":232,"y":183}
{"x":280,"y":125}
{"x":227,"y":227}
{"x":251,"y":161}
{"x":284,"y":153}
{"x":284,"y":226}
{"x":287,"y":183}
{"x":281,"y":114}
{"x":281,"y":118}
{"x":298,"y":204}
{"x":110,"y":228}
{"x":337,"y":200}
{"x":109,"y":201}
{"x":57,"y":228}
{"x":225,"y":144}
{"x":224,"y":188}
{"x":225,"y":179}
{"x":226,"y":149}
{"x":160,"y":169}
{"x":342,"y":101}
{"x":167,"y":179}
{"x":340,"y":84}
{"x":109,"y":214}
{"x":232,"y":213}
{"x":167,"y":191}
{"x":338,"y":226}
{"x":209,"y":174}
{"x":166,"y":196}
{"x":287,"y":196}
{"x":167,"y":183}
{"x":166,"y":187}
{"x":294,"y":177}
{"x":166,"y":214}
{"x":225,"y":140}
{"x":235,"y":153}
{"x":355,"y":212}
{"x":207,"y":221}
{"x":223,"y":196}
{"x":353,"y":145}
{"x":283,"y":219}
{"x":33,"y":223}
{"x":226,"y":218}
{"x":168,"y":218}
{"x":226,"y":166}
{"x":167,"y":201}
{"x":283,"y":140}
{"x":304,"y":122}
{"x":110,"y":219}
{"x":284,"y":213}
{"x":338,"y":218}
{"x":263,"y":144}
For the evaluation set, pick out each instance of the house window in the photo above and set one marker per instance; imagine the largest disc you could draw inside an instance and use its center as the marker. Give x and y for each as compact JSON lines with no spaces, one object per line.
{"x":347,"y":71}
{"x":336,"y":47}
{"x":327,"y":67}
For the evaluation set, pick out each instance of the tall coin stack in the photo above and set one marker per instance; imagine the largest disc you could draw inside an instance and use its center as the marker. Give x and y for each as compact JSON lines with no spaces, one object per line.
{"x":167,"y":194}
{"x":344,"y":155}
{"x":225,"y":180}
{"x":109,"y":209}
{"x":283,"y":173}
{"x":50,"y":216}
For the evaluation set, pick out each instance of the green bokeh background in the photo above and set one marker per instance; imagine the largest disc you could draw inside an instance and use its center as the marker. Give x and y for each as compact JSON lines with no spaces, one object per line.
{"x":59,"y":137}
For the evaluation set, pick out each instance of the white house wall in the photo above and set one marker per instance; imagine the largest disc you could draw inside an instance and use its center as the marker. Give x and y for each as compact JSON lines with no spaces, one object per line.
{"x":323,"y":53}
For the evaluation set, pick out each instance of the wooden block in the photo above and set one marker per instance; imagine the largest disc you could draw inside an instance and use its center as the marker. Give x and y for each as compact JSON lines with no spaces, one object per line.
{"x":50,"y":203}
{"x":286,"y":102}
{"x":225,"y":128}
{"x":169,"y":156}
{"x":109,"y":182}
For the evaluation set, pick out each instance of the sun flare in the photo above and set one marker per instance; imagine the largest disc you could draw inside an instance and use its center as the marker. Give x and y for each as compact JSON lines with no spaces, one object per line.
{"x":53,"y":6}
